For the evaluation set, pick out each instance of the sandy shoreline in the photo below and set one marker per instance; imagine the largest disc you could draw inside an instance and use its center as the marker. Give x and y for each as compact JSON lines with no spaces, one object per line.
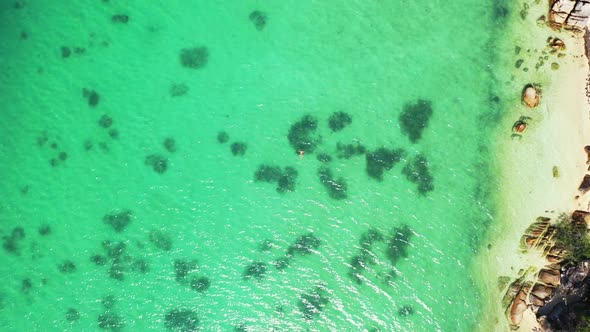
{"x":556,"y":136}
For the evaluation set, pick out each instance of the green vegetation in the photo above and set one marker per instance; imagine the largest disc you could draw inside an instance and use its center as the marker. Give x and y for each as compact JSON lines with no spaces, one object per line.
{"x":573,"y":237}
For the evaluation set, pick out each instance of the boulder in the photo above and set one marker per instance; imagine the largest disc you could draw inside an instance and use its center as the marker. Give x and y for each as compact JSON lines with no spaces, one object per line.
{"x":531,"y":96}
{"x":581,"y":218}
{"x":518,"y":308}
{"x":585,"y":185}
{"x":542,"y":292}
{"x":569,"y":14}
{"x":549,"y":277}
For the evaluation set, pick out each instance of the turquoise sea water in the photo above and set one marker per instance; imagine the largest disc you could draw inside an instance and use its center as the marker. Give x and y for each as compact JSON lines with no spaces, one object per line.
{"x":205,"y":213}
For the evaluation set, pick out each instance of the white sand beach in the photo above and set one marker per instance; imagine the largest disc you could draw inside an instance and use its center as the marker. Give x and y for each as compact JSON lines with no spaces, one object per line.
{"x":555,"y":137}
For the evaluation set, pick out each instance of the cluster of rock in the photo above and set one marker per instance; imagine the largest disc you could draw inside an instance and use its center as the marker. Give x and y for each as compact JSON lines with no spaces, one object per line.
{"x":534,"y":289}
{"x":552,"y":292}
{"x":569,"y":14}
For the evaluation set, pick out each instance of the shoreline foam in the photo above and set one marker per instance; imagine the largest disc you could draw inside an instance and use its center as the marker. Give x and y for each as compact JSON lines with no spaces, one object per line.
{"x":556,"y":136}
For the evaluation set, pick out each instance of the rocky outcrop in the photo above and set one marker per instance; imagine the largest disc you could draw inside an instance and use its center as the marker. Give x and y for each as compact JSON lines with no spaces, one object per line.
{"x":570,"y":299}
{"x":569,"y":14}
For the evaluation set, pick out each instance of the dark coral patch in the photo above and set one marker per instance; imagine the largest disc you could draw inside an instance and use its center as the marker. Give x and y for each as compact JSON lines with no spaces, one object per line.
{"x":44,"y":230}
{"x":304,"y":245}
{"x":72,"y":315}
{"x":301,"y":135}
{"x":405,"y":310}
{"x":110,"y":321}
{"x":336,"y":187}
{"x":313,"y":303}
{"x":286,"y":182}
{"x":92,"y":96}
{"x":120,"y":18}
{"x":99,"y":260}
{"x":381,"y":160}
{"x":286,"y":179}
{"x":195,"y":57}
{"x":113,"y":133}
{"x":26,"y":285}
{"x":157,"y":162}
{"x":200,"y":284}
{"x":324,"y":157}
{"x":161,"y":239}
{"x":182,"y":268}
{"x":255,"y":270}
{"x":114,"y":249}
{"x":67,"y":267}
{"x":339,"y":120}
{"x":178,"y":89}
{"x":347,"y":151}
{"x":118,"y":220}
{"x":65,"y":52}
{"x":11,"y":243}
{"x":238,"y":148}
{"x":268,"y":173}
{"x":414,"y":119}
{"x":181,"y":320}
{"x":397,"y":245}
{"x":105,"y":121}
{"x":108,"y":302}
{"x":170,"y":144}
{"x":258,"y":18}
{"x":416,"y":171}
{"x":222,"y":137}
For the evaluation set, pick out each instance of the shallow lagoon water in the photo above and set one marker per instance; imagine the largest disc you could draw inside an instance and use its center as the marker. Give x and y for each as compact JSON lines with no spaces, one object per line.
{"x":261,"y":75}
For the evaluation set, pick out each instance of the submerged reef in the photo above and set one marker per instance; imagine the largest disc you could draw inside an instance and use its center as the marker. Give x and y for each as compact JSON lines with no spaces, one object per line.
{"x":120,"y":18}
{"x":258,"y":18}
{"x":285,"y":179}
{"x":414,"y":119}
{"x":382,"y":159}
{"x":339,"y":120}
{"x":416,"y":171}
{"x":110,"y":321}
{"x":91,"y":96}
{"x":301,"y":134}
{"x":105,"y":121}
{"x":365,"y":257}
{"x":397,"y":245}
{"x":11,"y":243}
{"x":312,"y":303}
{"x":161,"y":239}
{"x":178,"y":89}
{"x":324,"y":157}
{"x":405,"y":310}
{"x":255,"y":270}
{"x":67,"y":267}
{"x":336,"y":187}
{"x":238,"y":148}
{"x":182,"y":268}
{"x":346,"y":151}
{"x":118,"y":220}
{"x":181,"y":320}
{"x":194,"y":57}
{"x":222,"y":137}
{"x":305,"y":244}
{"x":120,"y":261}
{"x":170,"y":144}
{"x":200,"y":284}
{"x":157,"y":162}
{"x":72,"y":315}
